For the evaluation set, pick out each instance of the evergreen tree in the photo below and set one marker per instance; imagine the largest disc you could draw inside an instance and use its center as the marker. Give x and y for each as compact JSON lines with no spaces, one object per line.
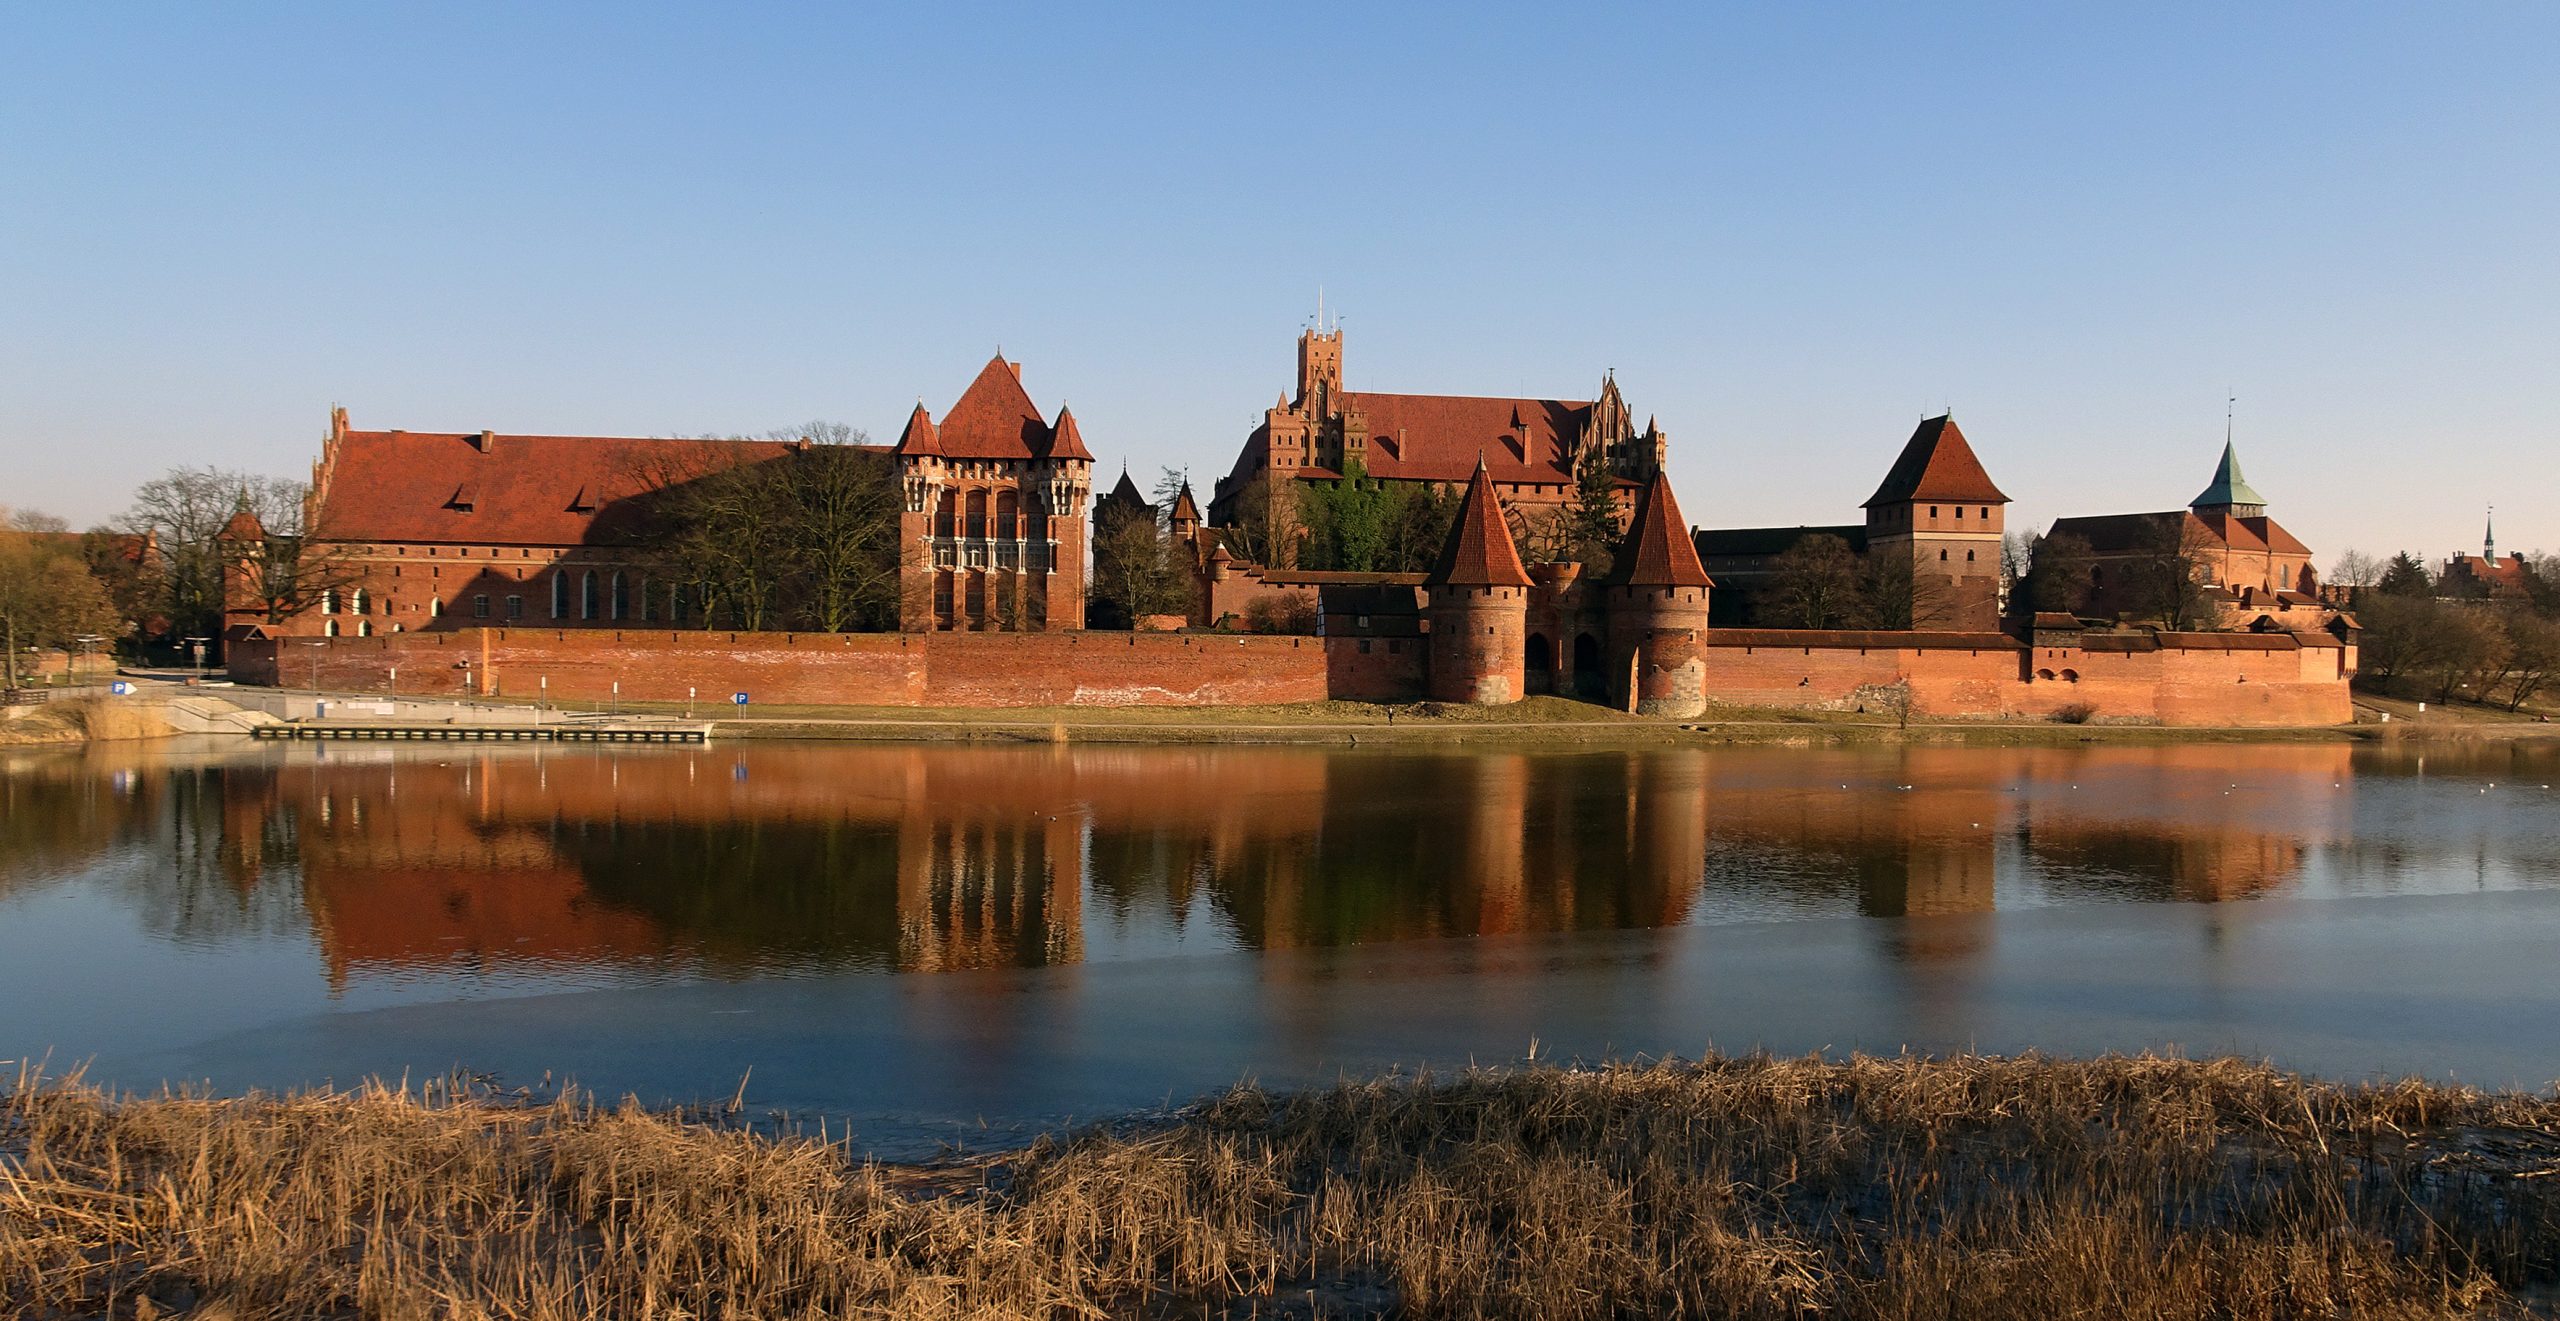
{"x":2405,"y":576}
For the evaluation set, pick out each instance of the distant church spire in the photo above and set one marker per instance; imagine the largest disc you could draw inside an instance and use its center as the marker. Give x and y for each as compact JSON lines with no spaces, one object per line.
{"x":2489,"y":537}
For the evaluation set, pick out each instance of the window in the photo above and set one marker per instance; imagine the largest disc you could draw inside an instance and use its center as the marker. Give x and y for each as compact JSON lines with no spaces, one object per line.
{"x":621,"y":596}
{"x":589,"y":598}
{"x":435,"y":608}
{"x":1986,"y":511}
{"x":1933,"y":511}
{"x":329,"y":603}
{"x":480,"y":606}
{"x":559,"y":594}
{"x":364,"y":628}
{"x":1968,"y":557}
{"x":1959,"y":513}
{"x":330,"y":629}
{"x":1942,"y":556}
{"x":515,"y":607}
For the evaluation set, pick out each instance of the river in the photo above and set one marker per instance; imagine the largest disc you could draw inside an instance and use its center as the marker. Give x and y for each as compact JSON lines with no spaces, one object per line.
{"x":964,"y":944}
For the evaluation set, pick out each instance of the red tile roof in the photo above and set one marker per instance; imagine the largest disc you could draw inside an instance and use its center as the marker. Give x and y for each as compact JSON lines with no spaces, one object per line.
{"x":442,"y":486}
{"x":1480,"y":552}
{"x":1658,"y":551}
{"x":2111,"y":534}
{"x":919,"y":437}
{"x":994,"y":418}
{"x":1438,"y":437}
{"x":1066,"y":441}
{"x":1937,"y":464}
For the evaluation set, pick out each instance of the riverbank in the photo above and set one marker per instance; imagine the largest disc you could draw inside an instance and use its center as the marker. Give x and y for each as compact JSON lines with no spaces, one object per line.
{"x":1972,"y":1186}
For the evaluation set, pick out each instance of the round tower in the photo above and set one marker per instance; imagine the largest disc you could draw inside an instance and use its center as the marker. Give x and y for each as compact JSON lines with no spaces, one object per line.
{"x":1657,"y":604}
{"x":1479,"y":611}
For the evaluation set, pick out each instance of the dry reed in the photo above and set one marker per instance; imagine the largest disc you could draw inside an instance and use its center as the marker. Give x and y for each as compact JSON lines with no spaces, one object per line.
{"x":1732,"y":1187}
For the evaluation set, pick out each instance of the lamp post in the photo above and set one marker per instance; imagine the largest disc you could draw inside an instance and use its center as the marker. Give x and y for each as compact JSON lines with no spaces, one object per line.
{"x":195,"y":651}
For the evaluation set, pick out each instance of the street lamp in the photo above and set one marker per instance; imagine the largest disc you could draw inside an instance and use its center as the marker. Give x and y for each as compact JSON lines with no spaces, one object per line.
{"x":195,"y":649}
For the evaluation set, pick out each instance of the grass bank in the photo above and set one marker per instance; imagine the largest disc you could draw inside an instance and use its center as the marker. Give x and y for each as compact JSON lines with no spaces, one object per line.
{"x":1901,"y":1188}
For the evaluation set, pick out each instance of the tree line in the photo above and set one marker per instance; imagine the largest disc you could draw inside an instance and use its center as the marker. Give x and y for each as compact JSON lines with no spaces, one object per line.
{"x":2448,"y":639}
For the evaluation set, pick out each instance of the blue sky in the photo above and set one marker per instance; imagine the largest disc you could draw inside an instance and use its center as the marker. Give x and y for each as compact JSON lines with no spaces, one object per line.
{"x":1791,"y":229}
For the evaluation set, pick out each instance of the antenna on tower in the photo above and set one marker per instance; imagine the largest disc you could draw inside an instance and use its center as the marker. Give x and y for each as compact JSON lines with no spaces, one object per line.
{"x":2230,"y":408}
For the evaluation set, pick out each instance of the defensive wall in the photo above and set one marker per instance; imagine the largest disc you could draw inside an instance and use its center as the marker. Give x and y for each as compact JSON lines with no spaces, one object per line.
{"x":848,"y":669}
{"x":2219,"y":679}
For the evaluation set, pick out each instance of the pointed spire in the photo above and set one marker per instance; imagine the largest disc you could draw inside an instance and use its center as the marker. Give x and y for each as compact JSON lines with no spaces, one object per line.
{"x":1185,"y":509}
{"x":1479,"y":552}
{"x":1065,"y":440}
{"x":2489,"y":537}
{"x":1659,"y":551}
{"x":919,"y":438}
{"x":2228,"y":489}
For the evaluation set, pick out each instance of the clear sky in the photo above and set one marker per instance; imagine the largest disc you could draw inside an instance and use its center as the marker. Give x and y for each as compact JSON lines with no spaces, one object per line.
{"x":1791,"y":229}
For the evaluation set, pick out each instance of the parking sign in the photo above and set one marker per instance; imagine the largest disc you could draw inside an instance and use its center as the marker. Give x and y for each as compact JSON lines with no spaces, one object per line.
{"x":120,"y":688}
{"x":739,"y":698}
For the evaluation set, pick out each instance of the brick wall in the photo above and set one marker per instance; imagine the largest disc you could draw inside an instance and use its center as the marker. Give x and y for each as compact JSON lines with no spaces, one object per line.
{"x":2220,"y":679}
{"x":851,"y":669}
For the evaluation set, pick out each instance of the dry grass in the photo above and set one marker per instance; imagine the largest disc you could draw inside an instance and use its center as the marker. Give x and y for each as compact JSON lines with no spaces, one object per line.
{"x":1900,"y":1188}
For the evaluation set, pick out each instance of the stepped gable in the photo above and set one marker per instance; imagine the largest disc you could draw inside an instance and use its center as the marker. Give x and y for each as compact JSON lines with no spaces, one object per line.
{"x":471,"y":487}
{"x":1937,"y":464}
{"x":920,"y":437}
{"x":1437,"y":437}
{"x":1480,"y":552}
{"x":1066,"y":440}
{"x":994,"y":419}
{"x":1658,"y":551}
{"x":2228,"y":487}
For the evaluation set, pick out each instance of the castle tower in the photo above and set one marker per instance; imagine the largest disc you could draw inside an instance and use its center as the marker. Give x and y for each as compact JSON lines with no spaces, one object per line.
{"x":1938,"y":512}
{"x":1657,"y":603}
{"x":1479,"y":610}
{"x":991,"y":532}
{"x":1185,"y":518}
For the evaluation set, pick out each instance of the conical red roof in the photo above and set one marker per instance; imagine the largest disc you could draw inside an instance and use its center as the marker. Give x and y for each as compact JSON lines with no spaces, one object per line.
{"x":1184,"y":508}
{"x":1937,"y":464}
{"x":1658,"y":551}
{"x":1066,"y":441}
{"x":1480,"y":552}
{"x":919,"y":437}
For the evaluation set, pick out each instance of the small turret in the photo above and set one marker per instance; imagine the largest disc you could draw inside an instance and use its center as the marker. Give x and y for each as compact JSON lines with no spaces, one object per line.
{"x":1479,"y":608}
{"x":2229,"y":492}
{"x":1657,"y":601}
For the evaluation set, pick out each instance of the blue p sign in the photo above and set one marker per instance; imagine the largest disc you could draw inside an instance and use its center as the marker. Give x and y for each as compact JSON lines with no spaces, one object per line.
{"x":122,"y":689}
{"x":739,"y":698}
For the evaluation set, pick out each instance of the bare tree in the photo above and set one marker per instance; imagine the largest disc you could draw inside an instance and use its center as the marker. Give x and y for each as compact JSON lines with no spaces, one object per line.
{"x":1137,"y":572}
{"x":1816,"y":583}
{"x":1899,"y":594}
{"x":2533,"y":656}
{"x":2058,"y":573}
{"x":2355,"y":569}
{"x":2166,"y":576}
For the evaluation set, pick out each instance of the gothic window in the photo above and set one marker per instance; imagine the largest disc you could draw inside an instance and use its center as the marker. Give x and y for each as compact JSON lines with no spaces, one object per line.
{"x":364,"y":628}
{"x":358,"y":601}
{"x":329,"y":603}
{"x":330,"y":629}
{"x":589,"y":598}
{"x":621,"y":598}
{"x":559,"y":594}
{"x":977,"y":514}
{"x":1008,"y":515}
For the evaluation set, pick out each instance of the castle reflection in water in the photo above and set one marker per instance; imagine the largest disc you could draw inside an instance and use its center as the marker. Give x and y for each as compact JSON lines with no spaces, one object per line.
{"x":915,"y":858}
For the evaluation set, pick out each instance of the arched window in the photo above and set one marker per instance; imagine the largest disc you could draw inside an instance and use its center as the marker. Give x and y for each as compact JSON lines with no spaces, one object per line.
{"x":621,"y":596}
{"x":1968,"y":557}
{"x":675,"y":603}
{"x":976,"y":514}
{"x":1008,"y":507}
{"x":588,"y":596}
{"x":364,"y":628}
{"x":358,"y":601}
{"x":330,"y":629}
{"x":435,"y":608}
{"x":1942,"y":556}
{"x":329,"y":602}
{"x":559,"y":593}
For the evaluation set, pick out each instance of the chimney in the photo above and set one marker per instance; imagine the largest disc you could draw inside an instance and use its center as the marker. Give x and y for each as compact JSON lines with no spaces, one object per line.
{"x":1017,"y":370}
{"x":484,"y":442}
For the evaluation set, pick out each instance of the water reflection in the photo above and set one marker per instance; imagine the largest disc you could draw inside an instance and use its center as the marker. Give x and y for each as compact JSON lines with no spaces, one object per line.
{"x":738,"y":862}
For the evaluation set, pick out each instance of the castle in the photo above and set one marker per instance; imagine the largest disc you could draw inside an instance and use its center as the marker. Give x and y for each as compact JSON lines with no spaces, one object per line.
{"x":499,"y":564}
{"x":1532,"y":450}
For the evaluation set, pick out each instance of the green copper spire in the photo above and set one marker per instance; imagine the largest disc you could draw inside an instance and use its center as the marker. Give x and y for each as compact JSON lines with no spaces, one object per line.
{"x":2229,"y":487}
